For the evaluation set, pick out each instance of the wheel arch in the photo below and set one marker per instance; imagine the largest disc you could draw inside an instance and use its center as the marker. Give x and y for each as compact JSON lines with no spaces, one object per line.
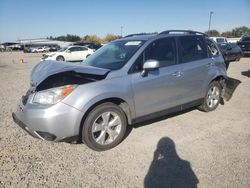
{"x":228,"y":85}
{"x":60,"y":55}
{"x":118,"y":101}
{"x":219,"y":79}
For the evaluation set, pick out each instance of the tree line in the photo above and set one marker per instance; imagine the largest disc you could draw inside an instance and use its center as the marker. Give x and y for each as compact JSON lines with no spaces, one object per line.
{"x":234,"y":33}
{"x":86,"y":38}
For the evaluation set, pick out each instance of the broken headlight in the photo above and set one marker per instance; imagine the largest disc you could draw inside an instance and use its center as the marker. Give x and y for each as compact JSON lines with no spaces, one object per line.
{"x":53,"y":95}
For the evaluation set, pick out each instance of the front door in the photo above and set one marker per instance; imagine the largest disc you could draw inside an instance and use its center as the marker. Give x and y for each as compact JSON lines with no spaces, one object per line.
{"x":160,"y":88}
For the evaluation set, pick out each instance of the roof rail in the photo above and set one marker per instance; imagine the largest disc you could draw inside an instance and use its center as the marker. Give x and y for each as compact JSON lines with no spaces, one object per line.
{"x":138,"y":34}
{"x":183,"y":31}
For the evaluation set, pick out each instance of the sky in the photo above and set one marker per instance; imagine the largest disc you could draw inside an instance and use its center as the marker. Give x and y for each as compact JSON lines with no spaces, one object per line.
{"x":29,"y":19}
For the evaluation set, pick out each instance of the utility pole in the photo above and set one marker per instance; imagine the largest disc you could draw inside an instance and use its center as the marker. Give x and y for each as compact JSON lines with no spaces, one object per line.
{"x":210,"y":18}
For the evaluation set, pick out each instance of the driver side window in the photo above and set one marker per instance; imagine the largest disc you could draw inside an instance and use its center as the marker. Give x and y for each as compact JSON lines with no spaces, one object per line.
{"x":162,"y":50}
{"x":74,"y":49}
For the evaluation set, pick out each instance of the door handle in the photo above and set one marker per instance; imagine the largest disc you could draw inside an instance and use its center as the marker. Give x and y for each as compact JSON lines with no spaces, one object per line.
{"x":177,"y":74}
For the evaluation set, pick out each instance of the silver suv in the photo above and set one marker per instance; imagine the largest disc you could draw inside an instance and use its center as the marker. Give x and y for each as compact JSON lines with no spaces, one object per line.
{"x":130,"y":80}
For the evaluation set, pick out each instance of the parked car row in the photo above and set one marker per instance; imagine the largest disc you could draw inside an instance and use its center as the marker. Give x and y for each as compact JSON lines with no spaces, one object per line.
{"x":40,"y":49}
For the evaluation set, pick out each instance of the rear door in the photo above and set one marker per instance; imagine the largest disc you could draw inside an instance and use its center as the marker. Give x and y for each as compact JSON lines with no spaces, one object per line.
{"x":193,"y":56}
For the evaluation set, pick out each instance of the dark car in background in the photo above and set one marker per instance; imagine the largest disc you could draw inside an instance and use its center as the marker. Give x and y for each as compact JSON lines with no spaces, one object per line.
{"x":244,"y":44}
{"x":231,"y":52}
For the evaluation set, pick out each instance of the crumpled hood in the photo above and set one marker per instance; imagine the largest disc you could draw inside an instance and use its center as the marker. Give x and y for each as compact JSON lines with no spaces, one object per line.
{"x":45,"y":69}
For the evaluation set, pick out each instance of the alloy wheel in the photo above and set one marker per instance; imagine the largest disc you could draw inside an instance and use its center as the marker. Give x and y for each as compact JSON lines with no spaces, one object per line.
{"x":106,"y":128}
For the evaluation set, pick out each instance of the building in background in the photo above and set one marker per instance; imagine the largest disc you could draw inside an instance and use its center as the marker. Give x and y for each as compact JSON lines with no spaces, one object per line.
{"x":34,"y":43}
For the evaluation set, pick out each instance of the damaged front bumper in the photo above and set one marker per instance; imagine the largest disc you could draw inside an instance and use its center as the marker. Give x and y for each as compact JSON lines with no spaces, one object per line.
{"x":59,"y":122}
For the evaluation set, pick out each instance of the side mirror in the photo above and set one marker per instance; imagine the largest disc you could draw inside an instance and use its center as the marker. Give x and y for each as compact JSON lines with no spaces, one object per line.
{"x":150,"y":65}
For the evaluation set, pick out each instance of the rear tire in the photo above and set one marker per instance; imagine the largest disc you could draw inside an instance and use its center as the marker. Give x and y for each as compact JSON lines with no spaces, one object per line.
{"x":212,"y":97}
{"x":104,"y":127}
{"x":60,"y":58}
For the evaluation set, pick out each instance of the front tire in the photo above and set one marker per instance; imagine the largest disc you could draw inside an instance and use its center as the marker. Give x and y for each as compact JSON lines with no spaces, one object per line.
{"x":60,"y":58}
{"x":104,"y":127}
{"x":212,"y":98}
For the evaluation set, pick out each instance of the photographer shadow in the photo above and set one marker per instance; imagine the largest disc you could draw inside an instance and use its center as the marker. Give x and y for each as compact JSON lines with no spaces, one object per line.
{"x":168,"y":169}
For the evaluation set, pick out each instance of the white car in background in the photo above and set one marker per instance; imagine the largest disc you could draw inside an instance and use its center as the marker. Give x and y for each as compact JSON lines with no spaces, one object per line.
{"x":71,"y":53}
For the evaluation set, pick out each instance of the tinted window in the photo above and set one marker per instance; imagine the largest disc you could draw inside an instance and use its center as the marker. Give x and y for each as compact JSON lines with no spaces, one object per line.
{"x":192,"y":48}
{"x":162,"y":50}
{"x":83,"y":49}
{"x":74,"y":49}
{"x":221,"y":40}
{"x":246,"y":39}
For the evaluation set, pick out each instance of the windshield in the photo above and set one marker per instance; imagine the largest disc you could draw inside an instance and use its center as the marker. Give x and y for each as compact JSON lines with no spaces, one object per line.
{"x":62,"y":49}
{"x":114,"y":55}
{"x":246,"y":39}
{"x":223,"y":46}
{"x":221,"y":40}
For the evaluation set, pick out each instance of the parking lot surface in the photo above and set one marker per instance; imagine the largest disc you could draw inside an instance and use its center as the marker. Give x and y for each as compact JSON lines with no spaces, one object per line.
{"x":187,"y":149}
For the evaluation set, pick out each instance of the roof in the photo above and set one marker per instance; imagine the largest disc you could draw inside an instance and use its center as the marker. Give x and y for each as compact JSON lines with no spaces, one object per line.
{"x":139,"y":37}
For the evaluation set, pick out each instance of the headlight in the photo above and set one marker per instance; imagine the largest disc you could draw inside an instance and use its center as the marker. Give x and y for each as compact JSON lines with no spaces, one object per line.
{"x":54,"y":95}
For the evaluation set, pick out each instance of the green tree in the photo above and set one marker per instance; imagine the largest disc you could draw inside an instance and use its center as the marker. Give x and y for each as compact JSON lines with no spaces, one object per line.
{"x":92,"y":39}
{"x":239,"y":31}
{"x":68,"y":38}
{"x":227,"y":34}
{"x":110,"y":37}
{"x":213,"y":33}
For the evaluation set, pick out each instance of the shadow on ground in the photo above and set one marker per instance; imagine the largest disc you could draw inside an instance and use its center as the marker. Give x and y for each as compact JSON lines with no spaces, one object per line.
{"x":168,"y":169}
{"x":246,"y":73}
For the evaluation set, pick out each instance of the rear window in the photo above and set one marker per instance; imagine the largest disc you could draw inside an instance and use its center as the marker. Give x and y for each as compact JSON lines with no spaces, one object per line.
{"x":221,"y":40}
{"x":192,"y":48}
